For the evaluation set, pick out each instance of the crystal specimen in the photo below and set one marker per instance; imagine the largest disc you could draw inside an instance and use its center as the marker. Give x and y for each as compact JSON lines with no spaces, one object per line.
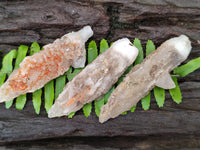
{"x":56,"y":58}
{"x":153,"y":71}
{"x":96,"y":79}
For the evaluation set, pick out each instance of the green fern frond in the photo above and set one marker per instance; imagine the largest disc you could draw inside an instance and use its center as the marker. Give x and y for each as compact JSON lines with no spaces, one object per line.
{"x":6,"y":69}
{"x":22,"y":52}
{"x":51,"y":92}
{"x":140,"y":56}
{"x":99,"y":103}
{"x":37,"y":95}
{"x":176,"y":92}
{"x":159,"y":94}
{"x":92,"y":54}
{"x":49,"y":95}
{"x":188,"y":68}
{"x":146,"y":101}
{"x":7,"y":66}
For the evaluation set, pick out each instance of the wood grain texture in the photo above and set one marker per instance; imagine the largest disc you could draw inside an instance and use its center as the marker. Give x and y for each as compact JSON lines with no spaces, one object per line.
{"x":25,"y":125}
{"x":171,"y":127}
{"x":151,"y":142}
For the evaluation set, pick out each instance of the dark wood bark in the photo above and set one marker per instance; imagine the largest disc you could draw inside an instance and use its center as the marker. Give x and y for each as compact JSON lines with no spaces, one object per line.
{"x":171,"y":127}
{"x":151,"y":142}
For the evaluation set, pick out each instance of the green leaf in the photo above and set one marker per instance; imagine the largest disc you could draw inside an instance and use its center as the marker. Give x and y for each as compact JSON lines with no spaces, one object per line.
{"x":111,"y":44}
{"x":150,"y":47}
{"x":42,"y":48}
{"x":140,"y":56}
{"x":92,"y":54}
{"x":60,"y":84}
{"x":133,"y":108}
{"x":103,"y":46}
{"x":124,"y":113}
{"x":8,"y":104}
{"x":122,"y":77}
{"x":87,"y":109}
{"x":76,"y":71}
{"x":7,"y":65}
{"x":20,"y":102}
{"x":120,"y":80}
{"x":36,"y":98}
{"x":22,"y":51}
{"x":69,"y":71}
{"x":107,"y":95}
{"x":71,"y":114}
{"x":2,"y":77}
{"x":70,"y":76}
{"x":159,"y":94}
{"x":49,"y":95}
{"x":35,"y":48}
{"x":188,"y":68}
{"x":92,"y":51}
{"x":98,"y":104}
{"x":176,"y":92}
{"x":146,"y":101}
{"x":129,"y":69}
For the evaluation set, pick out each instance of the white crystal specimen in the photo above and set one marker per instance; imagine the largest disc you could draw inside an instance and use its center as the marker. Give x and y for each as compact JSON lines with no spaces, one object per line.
{"x":153,"y":71}
{"x":96,"y":79}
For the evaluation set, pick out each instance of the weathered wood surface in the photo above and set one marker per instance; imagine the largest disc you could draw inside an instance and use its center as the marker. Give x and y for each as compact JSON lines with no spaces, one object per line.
{"x":23,"y":22}
{"x":165,"y":142}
